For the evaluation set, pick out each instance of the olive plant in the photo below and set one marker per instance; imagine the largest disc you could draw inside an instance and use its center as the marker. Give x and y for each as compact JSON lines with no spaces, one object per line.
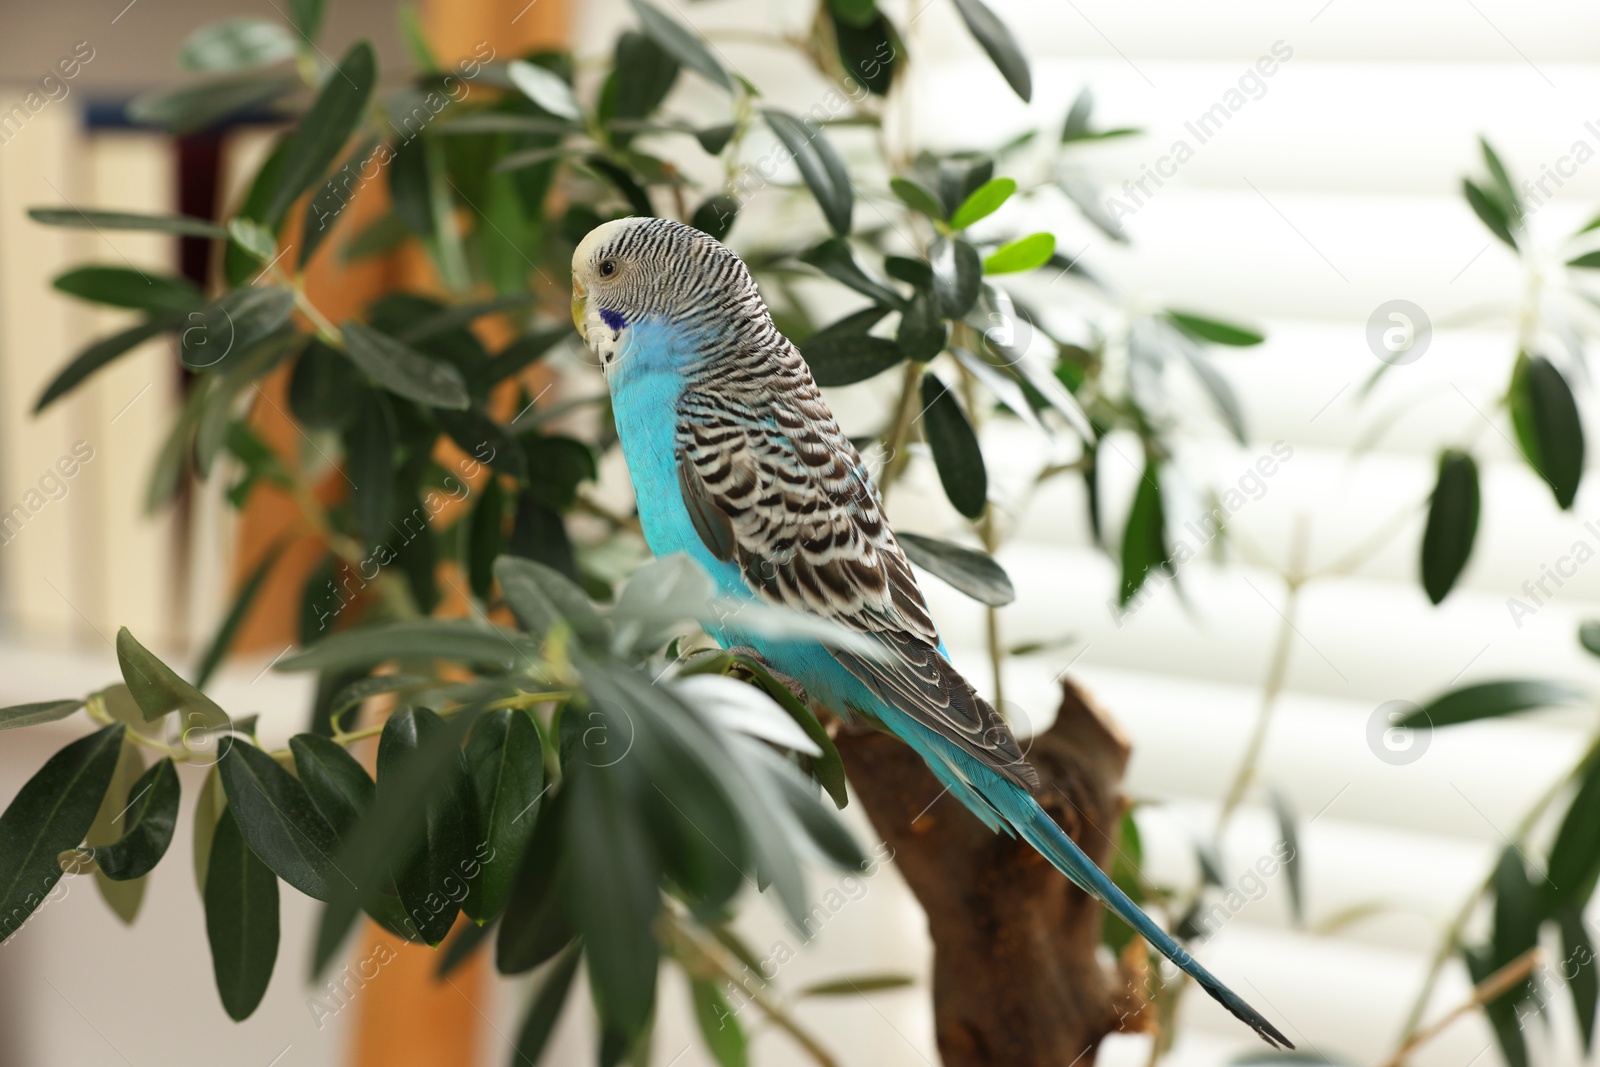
{"x":572,"y":767}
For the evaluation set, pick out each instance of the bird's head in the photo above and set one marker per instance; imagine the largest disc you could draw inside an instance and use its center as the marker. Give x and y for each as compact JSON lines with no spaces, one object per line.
{"x":641,"y":270}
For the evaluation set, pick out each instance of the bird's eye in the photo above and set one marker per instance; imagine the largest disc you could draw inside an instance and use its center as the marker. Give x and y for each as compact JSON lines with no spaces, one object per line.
{"x":608,"y":267}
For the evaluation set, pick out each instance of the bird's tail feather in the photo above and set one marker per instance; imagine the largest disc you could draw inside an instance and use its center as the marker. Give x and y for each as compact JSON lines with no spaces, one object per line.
{"x":1041,"y":831}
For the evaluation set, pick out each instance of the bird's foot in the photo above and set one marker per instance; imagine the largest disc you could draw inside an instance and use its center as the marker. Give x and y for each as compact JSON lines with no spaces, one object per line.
{"x":788,"y":683}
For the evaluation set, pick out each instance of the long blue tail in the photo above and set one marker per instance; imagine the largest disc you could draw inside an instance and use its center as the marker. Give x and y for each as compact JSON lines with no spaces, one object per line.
{"x":1041,"y":831}
{"x":1004,"y":805}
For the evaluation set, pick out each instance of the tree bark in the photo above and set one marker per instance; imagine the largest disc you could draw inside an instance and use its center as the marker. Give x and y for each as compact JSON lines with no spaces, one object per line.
{"x":1016,"y":976}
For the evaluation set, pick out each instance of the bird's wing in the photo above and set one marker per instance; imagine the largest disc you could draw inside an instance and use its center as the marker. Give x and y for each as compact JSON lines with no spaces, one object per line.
{"x":772,"y":484}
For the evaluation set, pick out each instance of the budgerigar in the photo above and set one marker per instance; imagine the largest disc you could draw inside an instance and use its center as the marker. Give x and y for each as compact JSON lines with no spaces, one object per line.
{"x":737,"y":461}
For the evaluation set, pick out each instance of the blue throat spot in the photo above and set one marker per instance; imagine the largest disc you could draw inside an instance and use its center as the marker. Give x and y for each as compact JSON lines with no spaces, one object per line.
{"x":612,"y":319}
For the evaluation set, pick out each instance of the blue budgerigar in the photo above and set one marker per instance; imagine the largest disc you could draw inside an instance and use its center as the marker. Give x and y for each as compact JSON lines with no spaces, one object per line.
{"x":737,"y":461}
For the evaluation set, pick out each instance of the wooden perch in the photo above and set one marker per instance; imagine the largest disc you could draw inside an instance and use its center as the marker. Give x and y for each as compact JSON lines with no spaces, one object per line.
{"x":1016,"y":976}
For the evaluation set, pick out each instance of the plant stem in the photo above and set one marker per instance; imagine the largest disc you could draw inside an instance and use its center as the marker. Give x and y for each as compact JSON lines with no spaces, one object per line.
{"x":713,"y":960}
{"x":1492,"y":987}
{"x":1450,"y":941}
{"x":899,"y":431}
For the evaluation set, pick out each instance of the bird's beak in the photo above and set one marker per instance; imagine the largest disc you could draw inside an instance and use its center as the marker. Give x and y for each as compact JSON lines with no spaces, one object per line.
{"x":580,"y":309}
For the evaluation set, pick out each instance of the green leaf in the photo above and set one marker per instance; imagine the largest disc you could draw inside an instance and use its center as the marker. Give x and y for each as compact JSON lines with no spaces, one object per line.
{"x":403,"y":370}
{"x":680,"y":43}
{"x":973,"y":573}
{"x":546,"y":88}
{"x":220,"y":642}
{"x":1215,"y":331}
{"x":1502,"y":1012}
{"x":236,"y":44}
{"x":507,"y":769}
{"x":825,"y":831}
{"x":834,"y":258}
{"x":922,"y":334}
{"x":1548,"y":427}
{"x":824,"y":172}
{"x":383,"y":840}
{"x":542,"y":599}
{"x":234,"y":325}
{"x":1076,"y":126}
{"x":72,"y":218}
{"x":644,"y":75}
{"x":713,"y":139}
{"x":334,"y":116}
{"x":524,"y":352}
{"x":535,"y":925}
{"x":98,"y":355}
{"x":476,"y":432}
{"x":306,"y":16}
{"x":1452,"y":524}
{"x":851,"y":987}
{"x":199,"y":105}
{"x":1517,"y":915}
{"x":1589,"y":260}
{"x":240,"y":262}
{"x":914,"y":271}
{"x":1503,"y":189}
{"x":955,"y":448}
{"x":431,"y":879}
{"x":447,"y":639}
{"x":1144,"y":537}
{"x":984,"y":201}
{"x":382,"y":236}
{"x":338,"y":786}
{"x":147,"y":823}
{"x":996,"y":40}
{"x":1223,"y":398}
{"x":1575,"y":854}
{"x":1289,"y":839}
{"x":854,"y":12}
{"x":329,"y":197}
{"x":322,"y":386}
{"x":278,"y":820}
{"x":468,"y":939}
{"x":1489,"y":211}
{"x":544,"y":1011}
{"x":611,"y":893}
{"x":957,"y":275}
{"x":20,"y":715}
{"x":958,"y":176}
{"x":127,"y":287}
{"x":918,"y":198}
{"x":1584,"y":982}
{"x":453,"y":318}
{"x":208,"y":809}
{"x":50,"y":814}
{"x":1589,"y":637}
{"x":870,"y":53}
{"x":123,"y":898}
{"x":1025,"y":253}
{"x":1488,"y":700}
{"x":716,"y":215}
{"x":158,"y":690}
{"x":241,"y":901}
{"x":718,"y":1027}
{"x":484,"y":539}
{"x":369,"y":451}
{"x":829,"y":767}
{"x":844,"y":359}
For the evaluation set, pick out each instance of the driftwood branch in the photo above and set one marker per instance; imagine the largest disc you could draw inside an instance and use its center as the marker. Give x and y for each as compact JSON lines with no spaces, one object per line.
{"x":1016,"y":976}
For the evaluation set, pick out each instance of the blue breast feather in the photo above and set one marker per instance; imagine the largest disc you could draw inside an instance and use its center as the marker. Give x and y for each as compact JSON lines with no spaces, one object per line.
{"x":646,"y":383}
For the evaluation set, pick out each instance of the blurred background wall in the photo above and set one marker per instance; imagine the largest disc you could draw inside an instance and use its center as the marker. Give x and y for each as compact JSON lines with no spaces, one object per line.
{"x":1332,"y":191}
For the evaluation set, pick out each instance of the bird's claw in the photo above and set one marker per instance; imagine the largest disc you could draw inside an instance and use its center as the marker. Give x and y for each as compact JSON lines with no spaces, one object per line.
{"x":794,"y":687}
